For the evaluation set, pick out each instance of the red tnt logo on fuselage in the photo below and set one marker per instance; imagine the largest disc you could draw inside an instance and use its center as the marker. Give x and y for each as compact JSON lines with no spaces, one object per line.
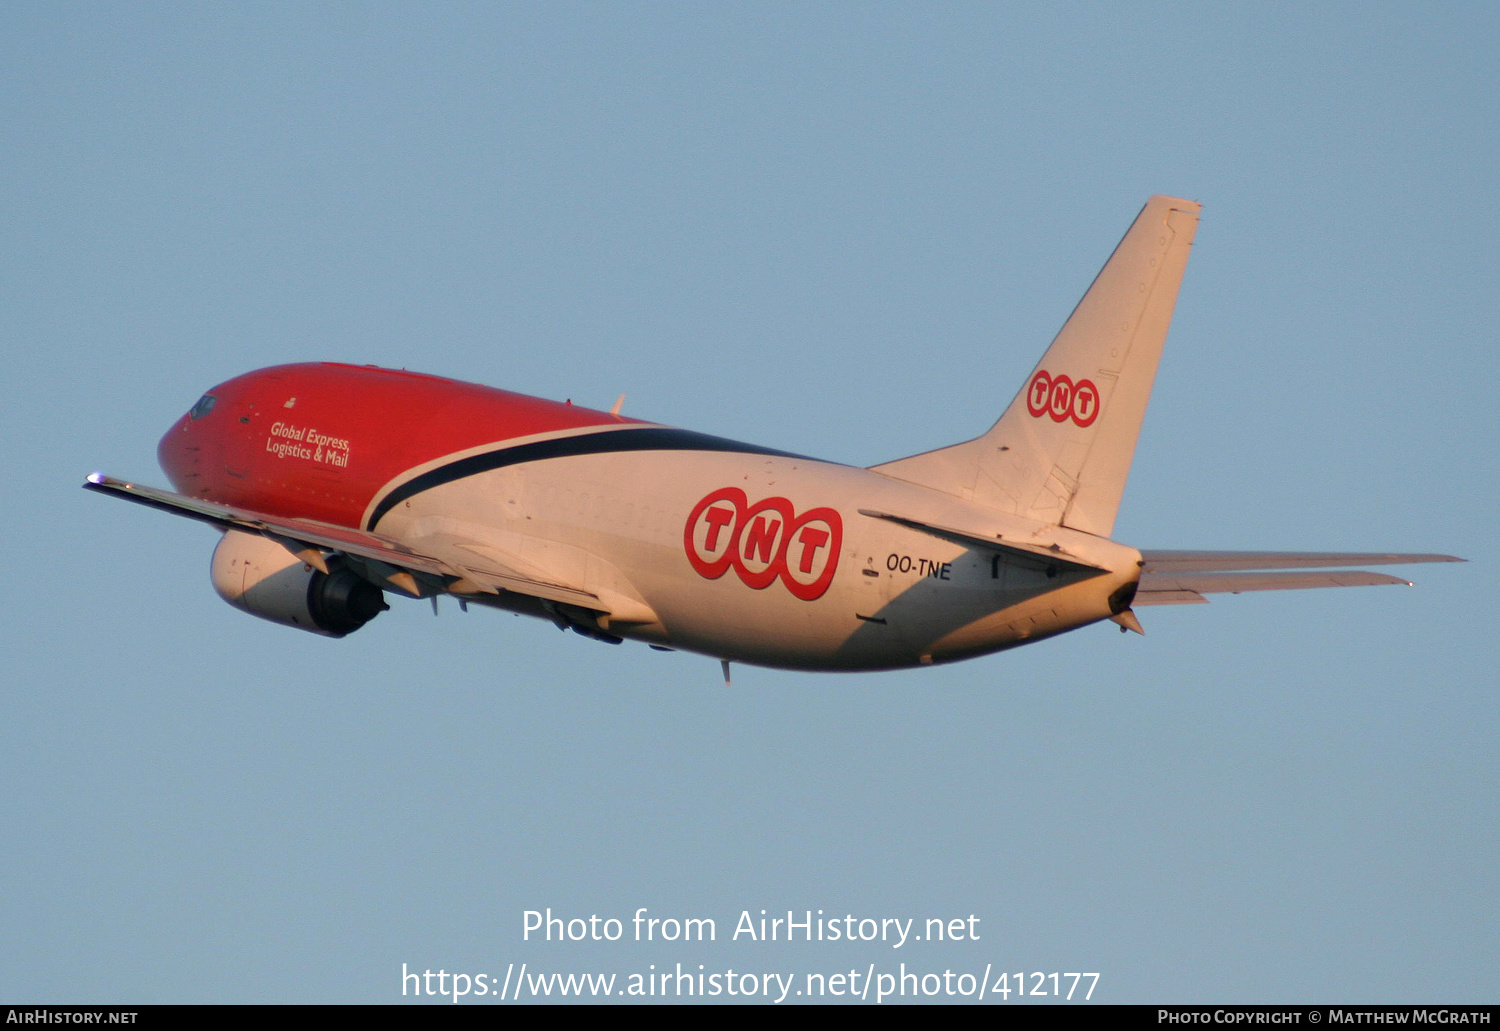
{"x":1062,"y":399}
{"x":763,"y":542}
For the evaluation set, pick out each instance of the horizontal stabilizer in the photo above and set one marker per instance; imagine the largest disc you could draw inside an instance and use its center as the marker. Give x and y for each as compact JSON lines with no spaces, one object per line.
{"x":1026,"y":554}
{"x":1143,"y":598}
{"x":1226,"y":561}
{"x":1189,"y":588}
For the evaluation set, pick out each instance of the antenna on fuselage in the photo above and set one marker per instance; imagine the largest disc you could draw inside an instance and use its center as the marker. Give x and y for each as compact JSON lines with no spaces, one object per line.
{"x":724,"y":665}
{"x":618,"y":402}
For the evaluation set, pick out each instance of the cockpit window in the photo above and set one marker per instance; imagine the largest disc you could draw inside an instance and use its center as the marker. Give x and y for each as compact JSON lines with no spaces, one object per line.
{"x":203,"y":407}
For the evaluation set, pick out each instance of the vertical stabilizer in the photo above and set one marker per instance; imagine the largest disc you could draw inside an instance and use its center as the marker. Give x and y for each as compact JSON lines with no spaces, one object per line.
{"x":1061,"y":452}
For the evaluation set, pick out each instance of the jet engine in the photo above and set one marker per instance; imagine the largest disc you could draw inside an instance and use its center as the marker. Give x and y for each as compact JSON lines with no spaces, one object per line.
{"x":259,"y":576}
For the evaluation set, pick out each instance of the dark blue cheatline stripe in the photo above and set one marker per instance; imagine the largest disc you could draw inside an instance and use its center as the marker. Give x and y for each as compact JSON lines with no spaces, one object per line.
{"x":607,"y":442}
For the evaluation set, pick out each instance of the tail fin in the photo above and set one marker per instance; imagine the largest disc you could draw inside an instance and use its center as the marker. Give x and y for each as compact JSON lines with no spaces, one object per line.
{"x":1062,"y":450}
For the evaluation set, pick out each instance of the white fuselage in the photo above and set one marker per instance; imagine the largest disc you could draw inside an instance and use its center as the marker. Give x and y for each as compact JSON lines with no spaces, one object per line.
{"x":623,"y":526}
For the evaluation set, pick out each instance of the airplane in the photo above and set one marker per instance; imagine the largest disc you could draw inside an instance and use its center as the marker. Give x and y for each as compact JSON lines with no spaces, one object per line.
{"x":335,"y":485}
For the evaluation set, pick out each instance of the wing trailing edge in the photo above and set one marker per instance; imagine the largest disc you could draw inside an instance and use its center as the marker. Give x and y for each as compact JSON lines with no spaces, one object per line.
{"x":391,"y":562}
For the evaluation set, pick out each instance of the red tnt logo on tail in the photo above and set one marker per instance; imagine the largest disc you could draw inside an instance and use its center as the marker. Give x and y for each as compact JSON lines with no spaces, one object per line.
{"x":763,"y":542}
{"x":1062,"y":399}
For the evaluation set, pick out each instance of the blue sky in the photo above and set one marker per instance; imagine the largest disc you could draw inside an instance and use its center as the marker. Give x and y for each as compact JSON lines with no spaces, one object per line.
{"x":837,"y":229}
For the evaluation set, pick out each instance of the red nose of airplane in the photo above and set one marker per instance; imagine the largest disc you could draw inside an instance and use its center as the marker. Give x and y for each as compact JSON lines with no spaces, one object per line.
{"x":179,"y":451}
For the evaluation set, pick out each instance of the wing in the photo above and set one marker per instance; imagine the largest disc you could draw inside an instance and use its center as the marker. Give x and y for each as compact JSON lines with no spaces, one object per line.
{"x":1183,"y":577}
{"x":388,"y":561}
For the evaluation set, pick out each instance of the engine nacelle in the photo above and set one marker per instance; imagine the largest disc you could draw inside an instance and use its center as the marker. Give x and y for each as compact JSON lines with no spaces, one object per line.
{"x":259,"y":576}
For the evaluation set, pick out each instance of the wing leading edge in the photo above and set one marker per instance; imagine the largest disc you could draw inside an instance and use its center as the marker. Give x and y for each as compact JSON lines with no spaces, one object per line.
{"x":388,"y":561}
